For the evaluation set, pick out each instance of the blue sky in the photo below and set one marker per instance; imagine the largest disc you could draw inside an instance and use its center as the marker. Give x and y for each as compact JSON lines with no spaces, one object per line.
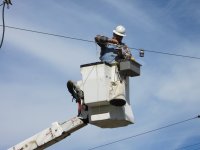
{"x":34,"y":69}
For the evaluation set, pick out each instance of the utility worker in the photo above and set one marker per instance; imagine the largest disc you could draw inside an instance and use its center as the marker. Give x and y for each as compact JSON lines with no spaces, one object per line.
{"x":112,"y":49}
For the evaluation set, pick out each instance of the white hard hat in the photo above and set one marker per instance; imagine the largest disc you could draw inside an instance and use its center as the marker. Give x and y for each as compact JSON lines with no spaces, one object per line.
{"x":120,"y":30}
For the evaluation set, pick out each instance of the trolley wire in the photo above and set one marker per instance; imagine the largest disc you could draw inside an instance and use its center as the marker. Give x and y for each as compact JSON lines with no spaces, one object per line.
{"x":146,"y":132}
{"x":92,"y":41}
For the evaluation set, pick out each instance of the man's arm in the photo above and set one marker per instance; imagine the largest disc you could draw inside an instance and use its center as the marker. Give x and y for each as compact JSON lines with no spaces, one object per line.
{"x":127,"y":53}
{"x":103,"y":40}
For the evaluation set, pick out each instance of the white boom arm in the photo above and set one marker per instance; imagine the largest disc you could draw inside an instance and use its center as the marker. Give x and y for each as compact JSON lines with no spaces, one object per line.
{"x":51,"y":135}
{"x":106,"y":100}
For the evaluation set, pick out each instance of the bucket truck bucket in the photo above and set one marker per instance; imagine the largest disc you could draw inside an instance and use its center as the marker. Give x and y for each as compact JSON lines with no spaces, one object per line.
{"x":106,"y":93}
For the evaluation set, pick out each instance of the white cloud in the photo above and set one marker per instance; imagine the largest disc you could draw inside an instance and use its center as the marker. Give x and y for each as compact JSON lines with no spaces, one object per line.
{"x":60,"y":53}
{"x":182,"y":84}
{"x":167,"y":88}
{"x":182,"y":81}
{"x":133,"y":14}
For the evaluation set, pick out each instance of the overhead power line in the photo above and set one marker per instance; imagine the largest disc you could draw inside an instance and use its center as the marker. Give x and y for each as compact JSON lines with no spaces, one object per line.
{"x":3,"y":32}
{"x":91,"y":41}
{"x":51,"y":34}
{"x":5,"y":2}
{"x":146,"y":132}
{"x":165,"y":53}
{"x":188,"y":146}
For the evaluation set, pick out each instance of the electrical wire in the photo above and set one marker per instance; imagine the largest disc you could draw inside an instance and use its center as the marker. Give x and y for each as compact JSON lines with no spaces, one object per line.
{"x":91,"y":41}
{"x":143,"y":133}
{"x":51,"y":34}
{"x":196,"y":149}
{"x":3,"y":10}
{"x":165,"y":53}
{"x":188,"y":146}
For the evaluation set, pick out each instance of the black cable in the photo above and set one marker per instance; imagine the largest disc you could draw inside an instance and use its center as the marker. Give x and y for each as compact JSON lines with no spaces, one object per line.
{"x":146,"y":132}
{"x":165,"y":53}
{"x":2,"y":38}
{"x":91,"y":41}
{"x":51,"y":34}
{"x":188,"y":146}
{"x":197,"y":149}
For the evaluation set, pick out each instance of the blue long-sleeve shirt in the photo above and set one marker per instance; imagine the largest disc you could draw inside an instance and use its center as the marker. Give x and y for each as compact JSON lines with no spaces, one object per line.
{"x":111,"y":53}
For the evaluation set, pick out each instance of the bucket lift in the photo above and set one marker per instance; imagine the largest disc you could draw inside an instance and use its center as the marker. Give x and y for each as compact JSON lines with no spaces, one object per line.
{"x":106,"y":92}
{"x":106,"y":95}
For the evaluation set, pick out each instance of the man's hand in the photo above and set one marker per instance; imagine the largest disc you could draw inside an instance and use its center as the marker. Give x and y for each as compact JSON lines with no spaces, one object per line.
{"x":113,"y":41}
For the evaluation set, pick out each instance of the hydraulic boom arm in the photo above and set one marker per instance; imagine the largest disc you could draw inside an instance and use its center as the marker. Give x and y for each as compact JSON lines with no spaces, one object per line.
{"x":51,"y":135}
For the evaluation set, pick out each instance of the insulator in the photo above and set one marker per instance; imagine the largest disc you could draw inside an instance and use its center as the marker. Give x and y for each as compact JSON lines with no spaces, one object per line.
{"x":141,"y":53}
{"x":8,"y":2}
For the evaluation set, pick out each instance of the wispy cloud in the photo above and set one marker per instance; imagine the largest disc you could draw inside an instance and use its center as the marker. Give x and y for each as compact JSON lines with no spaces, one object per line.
{"x":36,"y":67}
